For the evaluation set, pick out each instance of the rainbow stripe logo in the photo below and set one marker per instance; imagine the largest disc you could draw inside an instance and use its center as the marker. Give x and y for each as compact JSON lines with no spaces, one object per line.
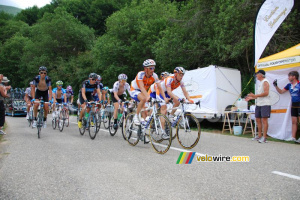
{"x":185,"y":158}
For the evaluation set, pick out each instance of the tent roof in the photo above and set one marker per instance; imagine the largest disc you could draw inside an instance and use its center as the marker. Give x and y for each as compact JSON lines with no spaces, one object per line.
{"x":284,"y":59}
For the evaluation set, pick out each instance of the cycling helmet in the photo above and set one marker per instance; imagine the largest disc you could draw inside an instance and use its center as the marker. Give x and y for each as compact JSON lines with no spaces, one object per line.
{"x":31,"y":83}
{"x":69,"y":88}
{"x":179,"y":70}
{"x":149,"y":62}
{"x":59,"y":83}
{"x":164,"y":74}
{"x":93,"y":75}
{"x":105,"y":88}
{"x":122,"y":77}
{"x":43,"y":68}
{"x":99,"y":78}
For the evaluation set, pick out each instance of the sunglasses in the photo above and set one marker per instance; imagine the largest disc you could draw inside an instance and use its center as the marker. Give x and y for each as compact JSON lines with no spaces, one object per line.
{"x":43,"y":72}
{"x":59,"y":85}
{"x":93,"y":79}
{"x":123,"y":80}
{"x":151,"y":68}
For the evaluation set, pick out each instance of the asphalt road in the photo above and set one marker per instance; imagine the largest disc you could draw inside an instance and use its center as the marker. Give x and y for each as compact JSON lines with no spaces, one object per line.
{"x":66,"y":165}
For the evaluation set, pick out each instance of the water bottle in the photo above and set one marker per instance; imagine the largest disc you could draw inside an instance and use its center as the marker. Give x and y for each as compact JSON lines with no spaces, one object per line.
{"x":86,"y":116}
{"x":119,"y":116}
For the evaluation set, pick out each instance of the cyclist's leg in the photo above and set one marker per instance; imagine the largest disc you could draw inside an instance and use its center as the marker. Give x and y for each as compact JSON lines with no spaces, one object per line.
{"x":175,"y":104}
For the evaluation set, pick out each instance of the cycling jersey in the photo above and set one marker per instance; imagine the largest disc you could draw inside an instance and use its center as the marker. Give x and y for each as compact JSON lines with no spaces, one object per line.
{"x":117,"y":86}
{"x":295,"y":91}
{"x":28,"y":92}
{"x":170,"y":82}
{"x":69,"y":94}
{"x":63,"y":91}
{"x":89,"y":88}
{"x":36,"y":81}
{"x":141,"y":76}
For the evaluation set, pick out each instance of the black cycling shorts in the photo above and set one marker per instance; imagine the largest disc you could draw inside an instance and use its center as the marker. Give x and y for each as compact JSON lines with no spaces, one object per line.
{"x":114,"y":100}
{"x":89,"y":97}
{"x":43,"y":94}
{"x":295,"y":109}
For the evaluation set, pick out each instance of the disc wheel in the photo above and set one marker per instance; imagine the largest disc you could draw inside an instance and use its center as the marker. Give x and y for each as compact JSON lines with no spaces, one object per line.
{"x":160,"y":133}
{"x":131,"y":131}
{"x":188,"y":131}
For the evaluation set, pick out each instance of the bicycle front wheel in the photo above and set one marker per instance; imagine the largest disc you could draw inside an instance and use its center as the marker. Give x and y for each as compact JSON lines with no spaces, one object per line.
{"x":188,"y":131}
{"x":93,"y":126}
{"x":111,"y":129}
{"x":39,"y":126}
{"x":131,"y":131}
{"x":98,"y":116}
{"x":61,"y":120}
{"x":160,"y":133}
{"x":105,"y":118}
{"x":67,"y":120}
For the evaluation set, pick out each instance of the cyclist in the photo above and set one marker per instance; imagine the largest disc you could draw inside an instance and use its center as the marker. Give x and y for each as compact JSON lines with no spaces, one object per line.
{"x":28,"y":98}
{"x":140,"y":85}
{"x":119,"y":89}
{"x":59,"y":95}
{"x":69,"y":94}
{"x":95,"y":94}
{"x":168,"y":85}
{"x":153,"y":87}
{"x":85,"y":94}
{"x":105,"y":94}
{"x":40,"y":89}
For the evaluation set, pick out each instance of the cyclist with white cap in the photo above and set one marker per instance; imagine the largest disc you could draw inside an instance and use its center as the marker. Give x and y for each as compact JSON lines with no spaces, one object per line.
{"x":119,"y":89}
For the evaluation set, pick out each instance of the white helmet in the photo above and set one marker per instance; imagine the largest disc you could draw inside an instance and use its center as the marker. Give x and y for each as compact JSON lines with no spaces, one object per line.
{"x":122,"y":77}
{"x":149,"y":62}
{"x":99,"y":78}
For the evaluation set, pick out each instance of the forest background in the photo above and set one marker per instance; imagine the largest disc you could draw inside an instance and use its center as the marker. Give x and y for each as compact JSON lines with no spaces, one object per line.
{"x":73,"y":38}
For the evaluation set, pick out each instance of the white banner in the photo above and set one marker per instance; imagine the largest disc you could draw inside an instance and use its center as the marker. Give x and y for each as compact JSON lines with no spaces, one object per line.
{"x":271,"y":14}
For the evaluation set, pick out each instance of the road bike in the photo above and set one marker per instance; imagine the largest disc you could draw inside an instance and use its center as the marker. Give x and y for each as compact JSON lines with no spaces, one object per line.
{"x":186,"y":125}
{"x":89,"y":121}
{"x":160,"y":138}
{"x":40,"y":116}
{"x":120,"y":119}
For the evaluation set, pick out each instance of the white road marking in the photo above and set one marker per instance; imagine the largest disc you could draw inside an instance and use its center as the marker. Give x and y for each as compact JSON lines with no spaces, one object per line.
{"x":286,"y":175}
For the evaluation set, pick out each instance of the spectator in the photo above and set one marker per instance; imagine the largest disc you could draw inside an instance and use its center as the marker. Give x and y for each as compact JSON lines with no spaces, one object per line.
{"x":294,"y":88}
{"x":263,"y":106}
{"x":3,"y":95}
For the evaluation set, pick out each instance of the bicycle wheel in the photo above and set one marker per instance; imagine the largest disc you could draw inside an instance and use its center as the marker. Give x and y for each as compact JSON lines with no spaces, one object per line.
{"x":187,"y":137}
{"x":39,"y":125}
{"x":67,"y":120}
{"x":82,"y":129}
{"x":131,"y":131}
{"x":98,"y":117}
{"x":160,"y":135}
{"x":61,"y":120}
{"x":111,"y":129}
{"x":93,"y":125}
{"x":121,"y":123}
{"x":105,"y":119}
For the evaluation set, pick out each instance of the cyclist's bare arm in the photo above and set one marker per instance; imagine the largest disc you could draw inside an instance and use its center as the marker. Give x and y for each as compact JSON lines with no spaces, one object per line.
{"x":65,"y":98}
{"x":186,"y":94}
{"x":50,"y":91}
{"x":33,"y":92}
{"x":99,"y":93}
{"x":83,"y":94}
{"x":170,"y":93}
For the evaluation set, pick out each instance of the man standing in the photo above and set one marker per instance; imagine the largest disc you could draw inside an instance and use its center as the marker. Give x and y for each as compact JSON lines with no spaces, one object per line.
{"x":3,"y":95}
{"x":294,"y":88}
{"x":263,"y":105}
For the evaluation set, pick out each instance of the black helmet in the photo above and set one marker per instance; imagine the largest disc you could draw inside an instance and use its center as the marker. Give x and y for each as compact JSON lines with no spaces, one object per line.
{"x":43,"y":68}
{"x":93,"y":75}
